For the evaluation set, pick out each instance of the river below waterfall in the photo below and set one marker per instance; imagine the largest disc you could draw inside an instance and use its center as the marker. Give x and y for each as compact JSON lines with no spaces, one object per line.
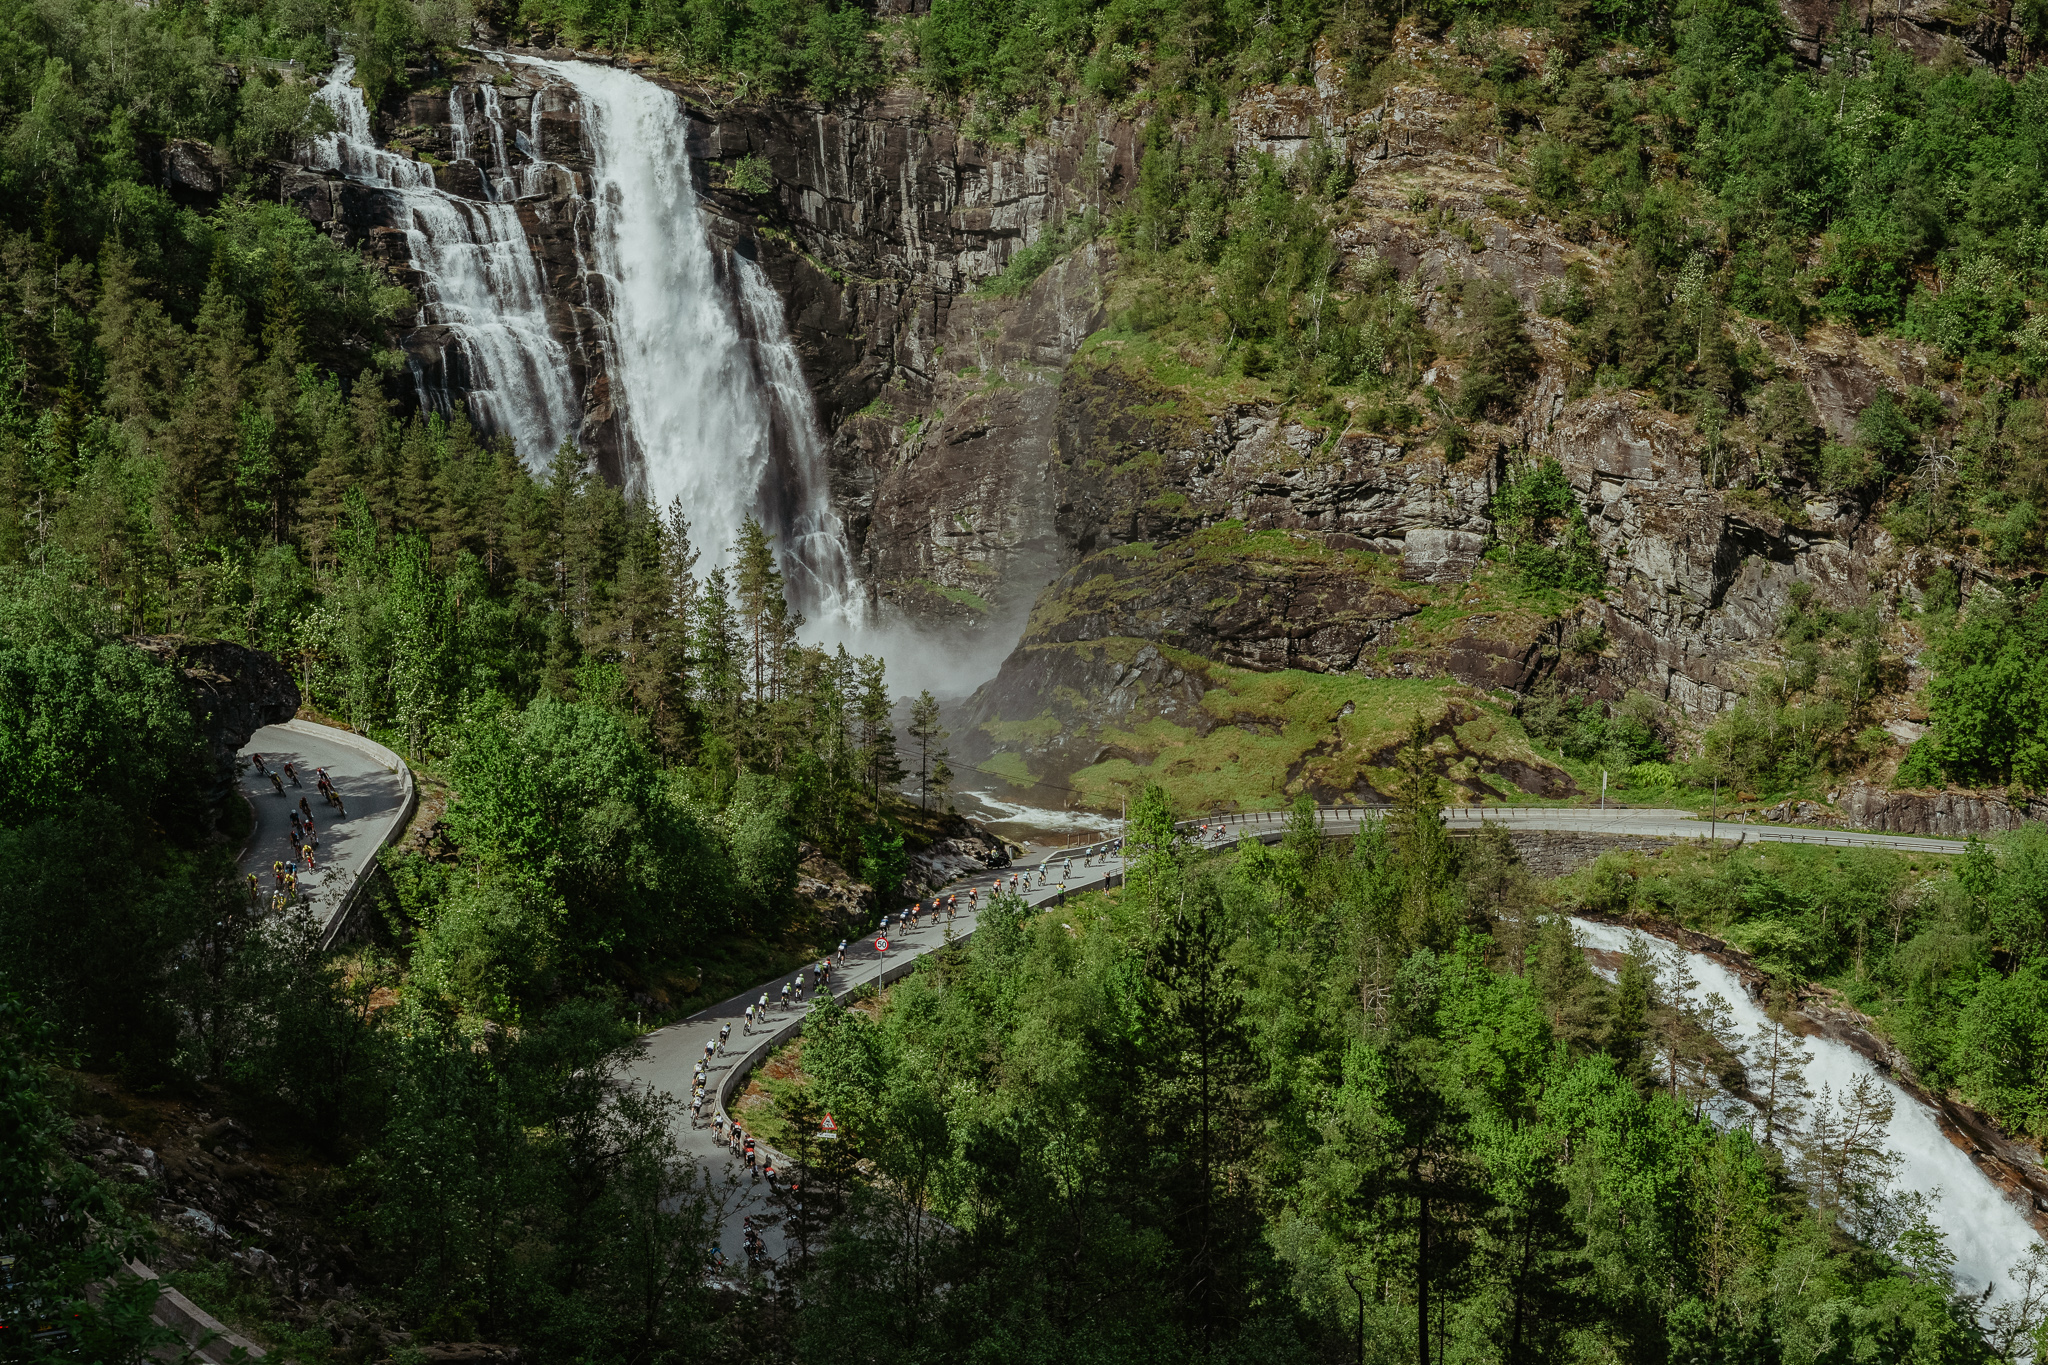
{"x":1987,"y":1233}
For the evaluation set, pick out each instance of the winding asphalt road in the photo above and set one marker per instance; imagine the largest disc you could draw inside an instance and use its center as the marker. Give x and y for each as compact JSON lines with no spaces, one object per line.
{"x":370,"y":792}
{"x":375,"y":794}
{"x":670,"y":1055}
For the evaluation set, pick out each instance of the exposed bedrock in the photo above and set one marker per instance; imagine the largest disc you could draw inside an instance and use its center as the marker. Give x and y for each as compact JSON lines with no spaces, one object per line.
{"x":994,"y":452}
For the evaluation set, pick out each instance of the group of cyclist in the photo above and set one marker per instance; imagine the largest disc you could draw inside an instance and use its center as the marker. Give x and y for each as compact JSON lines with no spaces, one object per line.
{"x":729,"y":1132}
{"x":303,"y":841}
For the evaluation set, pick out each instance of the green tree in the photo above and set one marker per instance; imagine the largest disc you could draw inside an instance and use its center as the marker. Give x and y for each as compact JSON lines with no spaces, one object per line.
{"x":929,"y":736}
{"x":881,"y":765}
{"x":883,"y":864}
{"x":1500,"y":359}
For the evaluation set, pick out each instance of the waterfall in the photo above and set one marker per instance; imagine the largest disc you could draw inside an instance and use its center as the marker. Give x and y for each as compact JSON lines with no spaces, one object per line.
{"x":1985,"y":1230}
{"x":482,"y":284}
{"x":712,"y":405}
{"x":709,"y":396}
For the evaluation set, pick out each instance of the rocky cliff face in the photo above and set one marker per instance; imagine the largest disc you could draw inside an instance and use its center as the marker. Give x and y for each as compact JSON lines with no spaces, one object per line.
{"x":1699,"y":571}
{"x":233,"y":691}
{"x":883,"y":221}
{"x":988,"y":455}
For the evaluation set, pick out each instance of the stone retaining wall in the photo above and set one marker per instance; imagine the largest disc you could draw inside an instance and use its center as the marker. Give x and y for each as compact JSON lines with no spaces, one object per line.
{"x":1554,"y":852}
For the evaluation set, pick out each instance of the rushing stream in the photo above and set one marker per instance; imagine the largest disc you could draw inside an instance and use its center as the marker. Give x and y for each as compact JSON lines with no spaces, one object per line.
{"x":1985,"y":1231}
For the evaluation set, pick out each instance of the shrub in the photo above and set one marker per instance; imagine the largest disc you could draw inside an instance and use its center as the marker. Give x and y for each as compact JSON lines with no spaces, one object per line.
{"x":1544,"y":532}
{"x":751,"y":175}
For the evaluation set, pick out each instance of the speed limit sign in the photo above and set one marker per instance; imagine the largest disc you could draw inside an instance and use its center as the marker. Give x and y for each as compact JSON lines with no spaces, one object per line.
{"x":881,"y":944}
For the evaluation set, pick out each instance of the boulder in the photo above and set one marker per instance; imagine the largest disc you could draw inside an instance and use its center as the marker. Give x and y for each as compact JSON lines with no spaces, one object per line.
{"x":233,"y":692}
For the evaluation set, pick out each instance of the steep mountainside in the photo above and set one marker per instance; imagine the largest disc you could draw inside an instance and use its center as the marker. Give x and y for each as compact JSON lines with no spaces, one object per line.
{"x":1011,"y":435}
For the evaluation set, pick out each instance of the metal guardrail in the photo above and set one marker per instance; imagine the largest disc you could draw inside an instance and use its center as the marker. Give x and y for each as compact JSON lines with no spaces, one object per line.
{"x":1557,"y":816}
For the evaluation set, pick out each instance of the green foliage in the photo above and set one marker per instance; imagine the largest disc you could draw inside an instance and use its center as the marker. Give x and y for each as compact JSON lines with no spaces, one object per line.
{"x":85,"y":723}
{"x":385,"y":32}
{"x":821,"y":47}
{"x":1265,"y":1088}
{"x":1949,"y":959}
{"x":1500,"y":360}
{"x":751,"y":174}
{"x":517,"y":1170}
{"x":1621,"y":737}
{"x":1988,"y":699}
{"x":563,"y":794}
{"x":1812,"y":715}
{"x":1543,"y":530}
{"x":63,"y":1230}
{"x":883,"y":865}
{"x":2001,"y":1048}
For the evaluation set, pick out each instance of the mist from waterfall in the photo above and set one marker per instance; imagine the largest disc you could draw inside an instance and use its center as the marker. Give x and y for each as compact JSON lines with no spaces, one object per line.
{"x":713,"y":408}
{"x":481,"y":282}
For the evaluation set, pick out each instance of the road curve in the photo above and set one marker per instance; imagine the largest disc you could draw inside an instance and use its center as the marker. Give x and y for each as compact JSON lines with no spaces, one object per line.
{"x":377,"y":797}
{"x":376,"y":791}
{"x":669,"y":1055}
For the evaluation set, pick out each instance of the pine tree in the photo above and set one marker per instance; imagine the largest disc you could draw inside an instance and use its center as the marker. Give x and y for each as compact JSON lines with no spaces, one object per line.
{"x":1431,"y":905}
{"x":593,"y":539}
{"x":417,"y":471}
{"x":1199,"y":1079}
{"x":644,"y":624}
{"x":419,"y":643}
{"x":1845,"y":1162}
{"x":145,"y":353}
{"x":1498,"y":887}
{"x":1671,"y":1021}
{"x":461,"y":491}
{"x":345,"y":455}
{"x":1628,"y":1020}
{"x":1777,"y":1078}
{"x":881,"y":767}
{"x":567,"y":472}
{"x":271,"y":476}
{"x":200,"y":442}
{"x":769,"y":625}
{"x":673,"y":712}
{"x":1572,"y":996}
{"x":929,"y":736}
{"x":721,"y":686}
{"x":517,"y":531}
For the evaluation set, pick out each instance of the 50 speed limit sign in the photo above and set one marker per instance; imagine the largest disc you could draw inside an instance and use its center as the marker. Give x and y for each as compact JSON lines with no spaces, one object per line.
{"x":881,"y":944}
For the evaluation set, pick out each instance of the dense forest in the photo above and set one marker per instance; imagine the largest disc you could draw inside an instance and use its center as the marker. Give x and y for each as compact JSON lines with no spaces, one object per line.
{"x":1254,"y":1102}
{"x":1267,"y":1103}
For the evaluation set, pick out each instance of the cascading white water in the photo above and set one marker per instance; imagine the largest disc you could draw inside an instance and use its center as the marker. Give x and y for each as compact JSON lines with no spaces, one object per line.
{"x":501,"y":165}
{"x":482,"y":283}
{"x":821,"y":567}
{"x":713,"y":408}
{"x":1985,"y":1230}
